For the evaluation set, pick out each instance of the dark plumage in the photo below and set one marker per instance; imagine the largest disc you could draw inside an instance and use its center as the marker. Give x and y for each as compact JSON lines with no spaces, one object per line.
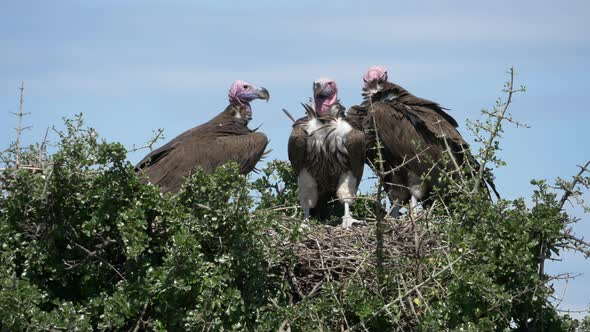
{"x":327,"y":154}
{"x":224,"y":138}
{"x":407,"y":126}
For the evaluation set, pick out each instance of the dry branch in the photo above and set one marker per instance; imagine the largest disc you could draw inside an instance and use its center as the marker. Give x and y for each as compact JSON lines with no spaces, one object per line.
{"x":500,"y":115}
{"x":326,"y":254}
{"x":569,"y":189}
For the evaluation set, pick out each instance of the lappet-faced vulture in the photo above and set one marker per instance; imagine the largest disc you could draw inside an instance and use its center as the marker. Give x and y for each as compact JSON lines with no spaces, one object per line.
{"x":327,"y":154}
{"x":414,"y":133}
{"x":224,"y":138}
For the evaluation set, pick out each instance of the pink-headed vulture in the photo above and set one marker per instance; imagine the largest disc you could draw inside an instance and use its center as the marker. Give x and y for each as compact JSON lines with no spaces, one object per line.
{"x":415,"y":134}
{"x":224,"y":138}
{"x":327,"y":154}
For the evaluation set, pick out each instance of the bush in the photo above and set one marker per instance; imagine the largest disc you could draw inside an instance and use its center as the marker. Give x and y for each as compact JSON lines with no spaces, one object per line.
{"x":87,"y":244}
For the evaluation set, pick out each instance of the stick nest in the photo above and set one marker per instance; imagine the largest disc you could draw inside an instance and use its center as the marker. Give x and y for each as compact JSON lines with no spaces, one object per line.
{"x":327,"y":253}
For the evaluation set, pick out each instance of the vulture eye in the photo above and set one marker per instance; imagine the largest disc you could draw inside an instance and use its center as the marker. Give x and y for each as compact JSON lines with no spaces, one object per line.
{"x":246,"y":86}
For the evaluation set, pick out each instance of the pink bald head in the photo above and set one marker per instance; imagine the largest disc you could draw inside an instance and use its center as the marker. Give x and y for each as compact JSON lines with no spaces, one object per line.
{"x":325,"y":94}
{"x":242,"y":93}
{"x":375,"y":73}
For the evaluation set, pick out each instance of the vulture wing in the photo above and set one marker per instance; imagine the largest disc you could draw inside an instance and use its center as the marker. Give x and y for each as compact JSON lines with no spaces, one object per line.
{"x":424,"y":113}
{"x":396,"y":130}
{"x":297,"y":146}
{"x":208,"y":146}
{"x":356,"y":147}
{"x":411,"y":100}
{"x":437,"y":122}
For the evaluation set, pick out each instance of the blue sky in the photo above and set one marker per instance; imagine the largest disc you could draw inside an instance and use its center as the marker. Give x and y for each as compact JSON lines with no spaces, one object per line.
{"x":133,"y":66}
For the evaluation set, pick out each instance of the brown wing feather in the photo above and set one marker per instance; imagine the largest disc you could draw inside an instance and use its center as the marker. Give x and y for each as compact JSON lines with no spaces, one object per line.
{"x":210,"y":145}
{"x":395,"y":130}
{"x":297,"y":148}
{"x":438,"y":125}
{"x":422,"y":112}
{"x":427,"y":116}
{"x":404,"y":120}
{"x":391,"y":90}
{"x":246,"y":150}
{"x":356,"y":147}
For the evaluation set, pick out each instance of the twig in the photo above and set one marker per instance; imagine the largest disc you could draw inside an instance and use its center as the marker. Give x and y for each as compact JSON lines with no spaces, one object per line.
{"x":20,"y":128}
{"x":570,"y":189}
{"x":399,"y":298}
{"x":158,"y":135}
{"x":296,"y":284}
{"x":140,"y":319}
{"x":94,"y":254}
{"x":379,"y":257}
{"x":495,"y":132}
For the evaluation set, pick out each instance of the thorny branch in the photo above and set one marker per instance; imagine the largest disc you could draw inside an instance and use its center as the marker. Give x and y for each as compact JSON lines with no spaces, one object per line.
{"x":140,"y":320}
{"x":499,"y":114}
{"x":569,"y":188}
{"x":378,"y":205}
{"x":413,"y":289}
{"x":20,"y":128}
{"x":158,"y":135}
{"x":94,"y":254}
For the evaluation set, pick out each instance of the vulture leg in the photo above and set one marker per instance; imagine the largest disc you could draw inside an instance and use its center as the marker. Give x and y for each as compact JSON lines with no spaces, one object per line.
{"x":395,"y":211}
{"x":418,"y":190}
{"x":398,"y":195}
{"x":308,"y":192}
{"x":347,"y":186}
{"x":306,"y":214}
{"x":413,"y":203}
{"x":347,"y":220}
{"x":413,"y":206}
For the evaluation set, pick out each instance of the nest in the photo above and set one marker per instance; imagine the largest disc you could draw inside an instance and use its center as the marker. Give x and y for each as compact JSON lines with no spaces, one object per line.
{"x":327,"y":253}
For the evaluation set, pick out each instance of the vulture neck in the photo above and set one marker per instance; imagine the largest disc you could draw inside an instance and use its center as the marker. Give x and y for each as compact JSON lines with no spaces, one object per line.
{"x":323,"y":105}
{"x":383,"y":91}
{"x":239,"y":113}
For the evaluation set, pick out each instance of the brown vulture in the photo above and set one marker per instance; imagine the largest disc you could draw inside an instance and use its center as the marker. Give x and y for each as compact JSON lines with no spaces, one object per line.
{"x":224,"y":138}
{"x":327,"y":153}
{"x":414,"y":133}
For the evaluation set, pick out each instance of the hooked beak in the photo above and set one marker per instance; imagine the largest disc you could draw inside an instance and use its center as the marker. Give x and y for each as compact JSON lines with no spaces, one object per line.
{"x":263,"y":94}
{"x":321,"y":90}
{"x":317,"y":89}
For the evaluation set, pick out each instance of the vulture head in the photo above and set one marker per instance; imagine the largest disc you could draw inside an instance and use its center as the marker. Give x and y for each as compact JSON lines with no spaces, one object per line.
{"x":242,"y":93}
{"x":374,"y":78}
{"x":325,"y":95}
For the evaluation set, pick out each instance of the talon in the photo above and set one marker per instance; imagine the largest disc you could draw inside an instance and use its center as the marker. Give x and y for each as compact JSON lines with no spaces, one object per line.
{"x":304,"y":225}
{"x":348,"y":222}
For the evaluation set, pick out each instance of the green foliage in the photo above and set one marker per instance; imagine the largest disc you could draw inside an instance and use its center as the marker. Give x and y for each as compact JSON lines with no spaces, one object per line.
{"x":277,"y":188}
{"x":498,"y":281}
{"x":86,"y":244}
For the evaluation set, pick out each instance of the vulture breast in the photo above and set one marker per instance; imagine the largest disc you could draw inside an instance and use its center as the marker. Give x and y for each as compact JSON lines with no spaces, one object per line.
{"x":326,"y":146}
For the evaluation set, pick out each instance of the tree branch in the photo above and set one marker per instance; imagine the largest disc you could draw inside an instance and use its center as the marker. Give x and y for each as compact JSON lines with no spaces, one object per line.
{"x":570,"y":189}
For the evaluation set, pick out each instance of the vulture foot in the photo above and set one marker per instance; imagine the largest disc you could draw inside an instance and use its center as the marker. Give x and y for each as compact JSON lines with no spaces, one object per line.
{"x":348,"y":221}
{"x":304,"y":225}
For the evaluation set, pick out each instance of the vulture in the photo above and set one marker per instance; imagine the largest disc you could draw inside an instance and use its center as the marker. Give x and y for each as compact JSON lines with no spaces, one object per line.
{"x":224,"y":138}
{"x":414,"y":135}
{"x":327,"y":154}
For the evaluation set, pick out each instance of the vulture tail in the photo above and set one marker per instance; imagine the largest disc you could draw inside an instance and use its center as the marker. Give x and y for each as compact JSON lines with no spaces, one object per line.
{"x":490,"y":183}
